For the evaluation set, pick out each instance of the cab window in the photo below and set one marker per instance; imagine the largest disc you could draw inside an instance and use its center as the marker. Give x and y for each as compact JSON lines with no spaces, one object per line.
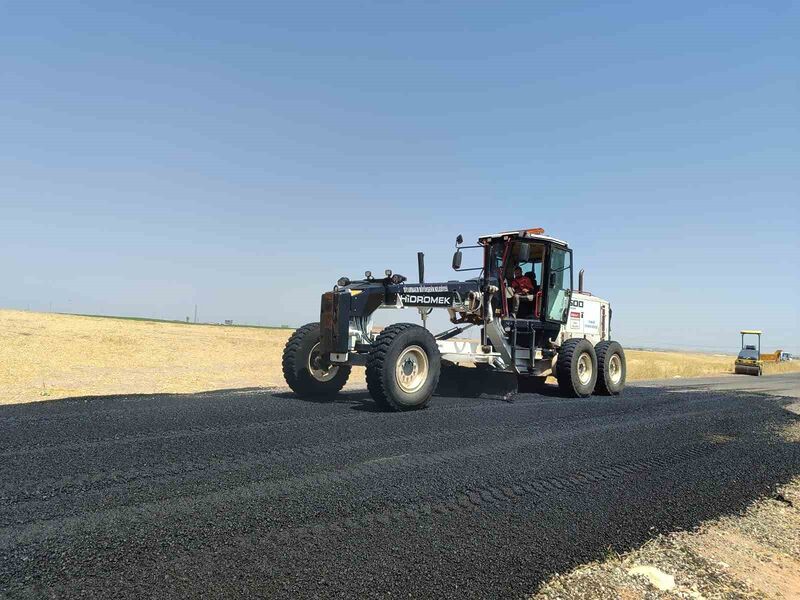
{"x":528,"y":257}
{"x":559,"y":284}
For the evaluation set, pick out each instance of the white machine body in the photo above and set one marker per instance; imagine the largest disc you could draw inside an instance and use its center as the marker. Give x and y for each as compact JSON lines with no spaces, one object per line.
{"x":589,"y":317}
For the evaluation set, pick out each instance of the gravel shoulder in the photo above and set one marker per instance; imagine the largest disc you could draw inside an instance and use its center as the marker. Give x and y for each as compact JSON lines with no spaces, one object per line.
{"x":754,"y":555}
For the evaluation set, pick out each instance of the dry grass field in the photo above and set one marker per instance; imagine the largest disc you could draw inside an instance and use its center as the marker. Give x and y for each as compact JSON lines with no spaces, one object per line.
{"x":45,"y":356}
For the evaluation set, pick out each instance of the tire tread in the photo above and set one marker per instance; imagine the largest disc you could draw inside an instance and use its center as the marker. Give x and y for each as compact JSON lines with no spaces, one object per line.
{"x":376,"y":365}
{"x":602,"y":349}
{"x":564,"y":367}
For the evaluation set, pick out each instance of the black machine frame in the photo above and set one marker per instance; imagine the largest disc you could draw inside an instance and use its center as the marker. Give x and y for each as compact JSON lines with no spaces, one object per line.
{"x":356,"y":301}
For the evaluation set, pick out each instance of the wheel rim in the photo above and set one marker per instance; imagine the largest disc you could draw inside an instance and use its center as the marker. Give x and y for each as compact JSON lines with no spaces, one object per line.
{"x":585,"y":368}
{"x":412,"y":369}
{"x":615,"y":369}
{"x":314,"y":368}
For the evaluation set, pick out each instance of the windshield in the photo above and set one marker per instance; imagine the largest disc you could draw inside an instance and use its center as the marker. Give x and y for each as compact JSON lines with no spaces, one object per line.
{"x":496,"y":259}
{"x":749,"y":353}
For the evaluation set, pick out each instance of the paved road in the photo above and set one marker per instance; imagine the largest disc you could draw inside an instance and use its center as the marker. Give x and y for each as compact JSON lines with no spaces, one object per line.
{"x":258,"y":493}
{"x":777,"y":385}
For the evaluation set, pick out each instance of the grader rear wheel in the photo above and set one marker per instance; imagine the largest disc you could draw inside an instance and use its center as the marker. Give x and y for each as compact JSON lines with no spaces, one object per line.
{"x":576,"y":368}
{"x":611,"y":368}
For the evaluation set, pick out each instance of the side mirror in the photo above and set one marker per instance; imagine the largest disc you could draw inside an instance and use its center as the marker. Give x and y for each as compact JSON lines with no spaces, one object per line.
{"x":524,"y":253}
{"x":459,"y":240}
{"x":457,"y":260}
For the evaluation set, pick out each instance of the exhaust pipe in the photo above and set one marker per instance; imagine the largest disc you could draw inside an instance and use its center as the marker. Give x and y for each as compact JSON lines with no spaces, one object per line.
{"x":421,"y":266}
{"x":580,"y":281}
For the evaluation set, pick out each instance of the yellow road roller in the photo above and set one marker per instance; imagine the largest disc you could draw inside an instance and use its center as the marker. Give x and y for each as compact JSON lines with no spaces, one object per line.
{"x":749,"y":360}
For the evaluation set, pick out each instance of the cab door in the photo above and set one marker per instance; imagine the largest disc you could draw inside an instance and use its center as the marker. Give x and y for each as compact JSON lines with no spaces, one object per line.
{"x":558,"y":285}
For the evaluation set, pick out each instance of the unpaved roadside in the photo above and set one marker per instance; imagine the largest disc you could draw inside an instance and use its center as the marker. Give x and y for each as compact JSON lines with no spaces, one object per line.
{"x":753,"y":555}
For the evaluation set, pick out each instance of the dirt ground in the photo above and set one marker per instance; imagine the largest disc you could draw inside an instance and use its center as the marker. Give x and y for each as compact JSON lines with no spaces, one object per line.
{"x":753,"y":555}
{"x":44,"y":356}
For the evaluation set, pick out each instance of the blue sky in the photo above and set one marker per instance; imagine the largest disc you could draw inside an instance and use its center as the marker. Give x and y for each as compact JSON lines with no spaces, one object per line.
{"x":244,"y":155}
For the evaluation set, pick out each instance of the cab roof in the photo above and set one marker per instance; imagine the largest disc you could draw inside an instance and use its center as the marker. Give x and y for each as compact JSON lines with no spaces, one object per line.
{"x":527,"y":234}
{"x":753,"y":331}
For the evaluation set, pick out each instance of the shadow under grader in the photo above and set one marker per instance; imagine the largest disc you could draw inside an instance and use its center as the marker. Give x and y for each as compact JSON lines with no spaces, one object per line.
{"x":454,"y":382}
{"x":355,"y":399}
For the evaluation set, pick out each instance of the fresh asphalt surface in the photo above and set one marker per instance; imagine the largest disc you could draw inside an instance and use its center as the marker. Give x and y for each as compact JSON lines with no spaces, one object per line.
{"x":258,"y":493}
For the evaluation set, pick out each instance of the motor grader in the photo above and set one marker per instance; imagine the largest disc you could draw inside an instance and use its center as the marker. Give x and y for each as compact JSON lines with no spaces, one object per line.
{"x":548,"y":330}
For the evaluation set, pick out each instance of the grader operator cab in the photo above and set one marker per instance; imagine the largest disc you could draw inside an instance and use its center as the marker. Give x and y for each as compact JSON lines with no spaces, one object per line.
{"x":533,"y":329}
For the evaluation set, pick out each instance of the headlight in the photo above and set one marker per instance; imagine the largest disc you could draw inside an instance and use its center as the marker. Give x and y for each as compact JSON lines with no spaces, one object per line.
{"x":388,"y":272}
{"x":368,"y":274}
{"x":397,"y":279}
{"x":343,"y":281}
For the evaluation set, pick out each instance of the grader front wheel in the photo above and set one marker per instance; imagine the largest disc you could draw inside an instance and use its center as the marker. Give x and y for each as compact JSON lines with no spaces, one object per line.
{"x":304,"y":368}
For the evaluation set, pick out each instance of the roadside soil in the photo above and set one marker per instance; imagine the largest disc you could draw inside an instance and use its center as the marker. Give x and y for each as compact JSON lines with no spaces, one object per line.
{"x":754,"y":555}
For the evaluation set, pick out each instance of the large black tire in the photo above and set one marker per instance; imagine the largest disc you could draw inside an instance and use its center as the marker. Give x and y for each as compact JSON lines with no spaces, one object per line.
{"x":529,"y":384}
{"x":297,"y":368}
{"x":576,"y":368}
{"x":411,"y":350}
{"x":611,"y":368}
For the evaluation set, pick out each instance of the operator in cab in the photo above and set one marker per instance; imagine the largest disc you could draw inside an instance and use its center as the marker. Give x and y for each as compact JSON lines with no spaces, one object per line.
{"x":522,"y":288}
